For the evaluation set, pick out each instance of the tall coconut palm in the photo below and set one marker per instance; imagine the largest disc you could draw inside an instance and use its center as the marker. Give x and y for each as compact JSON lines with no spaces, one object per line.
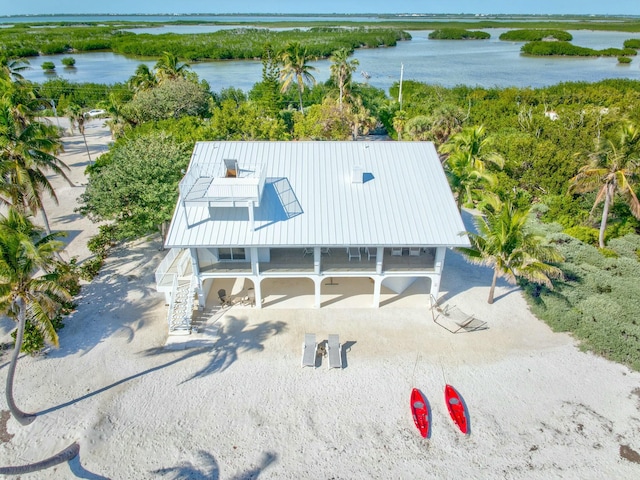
{"x":295,"y":69}
{"x":77,"y":118}
{"x":29,"y":286}
{"x":341,"y":70}
{"x":169,"y":68}
{"x":613,"y":168}
{"x":27,"y":153}
{"x":466,"y":157}
{"x":504,"y":242}
{"x":142,"y":79}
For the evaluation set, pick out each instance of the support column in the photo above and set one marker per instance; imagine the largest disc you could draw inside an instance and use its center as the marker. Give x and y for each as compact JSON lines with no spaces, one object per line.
{"x":317,"y":281}
{"x":438,"y":266}
{"x":379,"y":259}
{"x":195,"y":269}
{"x":377,"y":287}
{"x":258,"y":291}
{"x":317,"y":258}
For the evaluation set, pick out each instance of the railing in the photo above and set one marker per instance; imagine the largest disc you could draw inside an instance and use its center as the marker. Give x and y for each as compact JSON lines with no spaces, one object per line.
{"x":166,"y":264}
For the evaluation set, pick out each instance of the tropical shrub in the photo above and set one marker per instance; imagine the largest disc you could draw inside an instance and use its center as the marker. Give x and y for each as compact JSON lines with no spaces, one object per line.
{"x":48,"y":66}
{"x":68,"y":62}
{"x":624,"y":60}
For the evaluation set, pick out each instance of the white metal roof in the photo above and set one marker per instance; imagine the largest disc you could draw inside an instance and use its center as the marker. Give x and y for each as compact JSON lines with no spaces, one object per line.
{"x":309,"y":198}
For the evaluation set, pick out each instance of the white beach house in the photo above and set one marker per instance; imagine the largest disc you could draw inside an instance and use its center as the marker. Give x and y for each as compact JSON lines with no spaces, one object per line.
{"x":311,"y":211}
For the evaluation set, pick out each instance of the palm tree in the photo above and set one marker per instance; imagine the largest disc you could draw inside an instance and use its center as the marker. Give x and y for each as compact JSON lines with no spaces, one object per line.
{"x":10,"y":69}
{"x":77,"y":118}
{"x":465,"y":163}
{"x":168,"y":67}
{"x":295,"y":69}
{"x":613,"y":168}
{"x":24,"y":293}
{"x":504,"y":242}
{"x":26,"y":153}
{"x":341,"y":70}
{"x":142,"y":79}
{"x":116,"y":121}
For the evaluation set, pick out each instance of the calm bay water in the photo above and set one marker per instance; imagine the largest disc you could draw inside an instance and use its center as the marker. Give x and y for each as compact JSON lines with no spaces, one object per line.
{"x":486,"y":63}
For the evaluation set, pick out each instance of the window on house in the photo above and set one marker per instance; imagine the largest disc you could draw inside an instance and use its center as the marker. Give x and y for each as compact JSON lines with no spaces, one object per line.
{"x":231,"y":254}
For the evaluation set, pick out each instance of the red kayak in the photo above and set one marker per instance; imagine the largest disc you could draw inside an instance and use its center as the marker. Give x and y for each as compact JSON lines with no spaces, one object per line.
{"x":420,"y":411}
{"x":456,"y":408}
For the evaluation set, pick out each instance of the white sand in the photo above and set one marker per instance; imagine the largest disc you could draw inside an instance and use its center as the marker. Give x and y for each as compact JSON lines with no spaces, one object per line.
{"x":235,"y":404}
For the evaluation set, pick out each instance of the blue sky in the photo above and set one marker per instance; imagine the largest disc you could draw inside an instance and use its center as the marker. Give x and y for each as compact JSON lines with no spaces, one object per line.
{"x":626,"y":7}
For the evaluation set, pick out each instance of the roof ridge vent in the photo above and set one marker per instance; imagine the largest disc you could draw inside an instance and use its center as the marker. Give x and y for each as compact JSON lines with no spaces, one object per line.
{"x":357,"y":174}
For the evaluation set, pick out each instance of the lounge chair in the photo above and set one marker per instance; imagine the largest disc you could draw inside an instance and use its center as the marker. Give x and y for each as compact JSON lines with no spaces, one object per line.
{"x":372,"y":252}
{"x":414,"y":251}
{"x":354,"y":252}
{"x":224,"y":301}
{"x":396,"y":251}
{"x":334,"y":349}
{"x":309,"y":350}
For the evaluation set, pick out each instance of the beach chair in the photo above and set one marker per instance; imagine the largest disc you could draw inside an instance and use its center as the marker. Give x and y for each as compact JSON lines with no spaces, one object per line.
{"x":354,"y":252}
{"x":396,"y":251}
{"x":372,"y":252}
{"x":309,"y":350}
{"x":414,"y":251}
{"x":334,"y":350}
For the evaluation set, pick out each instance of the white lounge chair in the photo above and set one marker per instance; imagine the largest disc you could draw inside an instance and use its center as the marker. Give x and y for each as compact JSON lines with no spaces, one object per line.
{"x":414,"y":251}
{"x":309,"y":350}
{"x":334,"y":349}
{"x":354,"y":252}
{"x":396,"y":251}
{"x":372,"y":252}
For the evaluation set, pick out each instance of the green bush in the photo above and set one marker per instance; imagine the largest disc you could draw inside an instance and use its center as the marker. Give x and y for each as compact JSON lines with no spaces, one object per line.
{"x":48,"y":66}
{"x":598,"y":300}
{"x":68,"y":62}
{"x":585,"y":234}
{"x":624,"y":60}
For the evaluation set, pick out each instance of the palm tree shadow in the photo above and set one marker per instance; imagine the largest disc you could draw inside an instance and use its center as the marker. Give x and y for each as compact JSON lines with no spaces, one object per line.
{"x":185,"y":470}
{"x":211,"y":470}
{"x":236,"y":337}
{"x":80,"y":472}
{"x":226,"y":349}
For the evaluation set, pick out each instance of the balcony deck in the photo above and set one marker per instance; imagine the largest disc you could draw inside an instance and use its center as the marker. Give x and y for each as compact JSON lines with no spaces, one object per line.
{"x":333,"y":261}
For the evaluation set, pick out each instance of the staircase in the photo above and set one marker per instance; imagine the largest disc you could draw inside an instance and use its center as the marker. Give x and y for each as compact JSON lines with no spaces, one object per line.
{"x":181,"y":306}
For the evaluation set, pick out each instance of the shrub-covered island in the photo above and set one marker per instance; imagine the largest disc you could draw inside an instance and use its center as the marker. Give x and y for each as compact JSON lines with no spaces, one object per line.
{"x":536,"y":35}
{"x":458,"y":34}
{"x":568,"y":49}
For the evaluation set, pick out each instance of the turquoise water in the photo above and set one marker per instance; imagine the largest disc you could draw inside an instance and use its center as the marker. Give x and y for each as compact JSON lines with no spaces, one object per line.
{"x":487,"y":63}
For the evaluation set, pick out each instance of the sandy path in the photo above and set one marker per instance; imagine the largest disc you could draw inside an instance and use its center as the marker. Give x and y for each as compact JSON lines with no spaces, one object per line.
{"x":237,"y":404}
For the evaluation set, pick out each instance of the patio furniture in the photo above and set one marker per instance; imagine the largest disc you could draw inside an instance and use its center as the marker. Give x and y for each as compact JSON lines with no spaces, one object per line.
{"x":335,"y":351}
{"x":307,"y":251}
{"x":354,"y":252}
{"x":309,"y":350}
{"x":414,"y":251}
{"x":455,"y":320}
{"x":222,"y":296}
{"x":371,"y":252}
{"x":396,"y":251}
{"x":325,"y":251}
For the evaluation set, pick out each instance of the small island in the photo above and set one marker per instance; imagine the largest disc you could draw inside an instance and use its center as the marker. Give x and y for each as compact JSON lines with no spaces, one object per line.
{"x":536,"y":35}
{"x":458,"y":34}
